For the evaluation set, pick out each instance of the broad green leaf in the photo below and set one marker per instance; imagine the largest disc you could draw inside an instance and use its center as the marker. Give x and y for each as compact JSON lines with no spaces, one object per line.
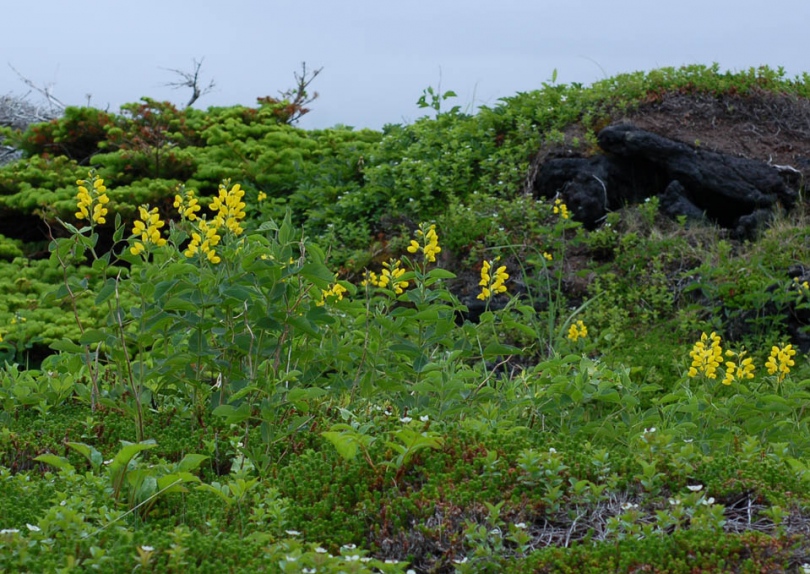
{"x":66,"y":346}
{"x":90,"y":453}
{"x":191,"y":462}
{"x":91,"y":336}
{"x":59,"y":462}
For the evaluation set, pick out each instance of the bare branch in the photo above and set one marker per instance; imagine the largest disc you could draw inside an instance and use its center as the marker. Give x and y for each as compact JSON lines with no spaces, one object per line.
{"x":45,"y":91}
{"x":191,"y":80}
{"x":297,"y":96}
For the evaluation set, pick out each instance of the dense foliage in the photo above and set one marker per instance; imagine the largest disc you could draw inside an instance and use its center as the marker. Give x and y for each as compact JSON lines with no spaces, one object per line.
{"x":352,"y":351}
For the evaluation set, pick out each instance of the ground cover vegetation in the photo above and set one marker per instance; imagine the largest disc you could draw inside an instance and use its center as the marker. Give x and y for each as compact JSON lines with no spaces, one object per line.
{"x":234,"y":345}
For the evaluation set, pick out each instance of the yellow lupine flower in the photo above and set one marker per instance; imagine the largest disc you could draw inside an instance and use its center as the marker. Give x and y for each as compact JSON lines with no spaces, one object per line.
{"x":229,"y":207}
{"x":91,"y":203}
{"x":577,"y":330}
{"x":203,"y":241}
{"x":147,"y":229}
{"x":186,"y":204}
{"x":560,"y":208}
{"x":492,"y":284}
{"x":706,"y":358}
{"x":780,"y":361}
{"x":429,"y":245}
{"x":337,"y":290}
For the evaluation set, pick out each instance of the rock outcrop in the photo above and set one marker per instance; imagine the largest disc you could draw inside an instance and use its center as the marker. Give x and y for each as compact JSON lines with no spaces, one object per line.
{"x":735,"y":192}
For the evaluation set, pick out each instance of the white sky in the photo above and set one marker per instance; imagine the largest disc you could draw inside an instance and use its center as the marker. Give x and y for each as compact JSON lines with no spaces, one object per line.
{"x":378,"y":55}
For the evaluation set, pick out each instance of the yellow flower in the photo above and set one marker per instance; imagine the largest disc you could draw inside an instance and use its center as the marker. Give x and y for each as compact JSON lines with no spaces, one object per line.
{"x":492,"y":284}
{"x":560,"y":208}
{"x":577,"y":330}
{"x":429,"y":245}
{"x":548,"y":256}
{"x":262,"y":196}
{"x":706,"y":358}
{"x":91,"y":203}
{"x":780,"y":361}
{"x":147,"y":230}
{"x":203,"y":241}
{"x":186,"y":204}
{"x":337,"y":290}
{"x":229,"y":207}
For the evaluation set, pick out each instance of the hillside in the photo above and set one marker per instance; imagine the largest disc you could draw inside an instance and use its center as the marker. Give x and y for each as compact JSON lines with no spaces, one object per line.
{"x":567,"y":333}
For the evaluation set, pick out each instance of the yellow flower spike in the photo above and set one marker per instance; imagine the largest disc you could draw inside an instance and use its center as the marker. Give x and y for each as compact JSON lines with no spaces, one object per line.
{"x":560,"y":208}
{"x":492,"y":284}
{"x":577,"y":331}
{"x":147,"y":229}
{"x":430,"y":246}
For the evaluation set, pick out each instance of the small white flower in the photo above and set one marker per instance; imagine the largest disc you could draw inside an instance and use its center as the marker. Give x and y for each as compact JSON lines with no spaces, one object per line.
{"x":688,"y":440}
{"x":148,"y":548}
{"x":695,"y":487}
{"x":424,"y":418}
{"x":405,"y":420}
{"x":106,"y":462}
{"x":462,"y":561}
{"x":349,"y":546}
{"x":353,"y":558}
{"x":9,"y":531}
{"x":708,"y":501}
{"x":520,"y":525}
{"x":629,"y":506}
{"x":291,"y":558}
{"x":365,"y":559}
{"x":320,"y":550}
{"x":649,"y":430}
{"x":390,"y":561}
{"x":806,"y":568}
{"x":33,"y":528}
{"x":309,"y":570}
{"x":292,"y":533}
{"x":552,"y":450}
{"x":64,"y":502}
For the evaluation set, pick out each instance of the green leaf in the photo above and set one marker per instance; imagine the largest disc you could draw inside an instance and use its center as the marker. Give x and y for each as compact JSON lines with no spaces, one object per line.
{"x":231,"y":414}
{"x":174,"y":482}
{"x":318,"y":274}
{"x":178,"y":304}
{"x":345,"y":444}
{"x":59,"y":462}
{"x":107,"y":291}
{"x":439,"y":273}
{"x":496,"y":349}
{"x":91,"y":336}
{"x":118,"y":467}
{"x":191,"y":462}
{"x":89,"y":452}
{"x":66,"y":346}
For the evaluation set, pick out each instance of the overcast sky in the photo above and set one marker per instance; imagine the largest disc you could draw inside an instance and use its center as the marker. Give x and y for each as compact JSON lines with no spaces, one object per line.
{"x":378,"y":55}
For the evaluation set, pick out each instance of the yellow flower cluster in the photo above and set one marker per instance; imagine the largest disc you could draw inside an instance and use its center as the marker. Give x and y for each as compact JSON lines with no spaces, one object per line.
{"x":492,"y":284}
{"x":577,"y":330}
{"x":706,"y":358}
{"x":147,"y":228}
{"x":560,"y":208}
{"x":429,"y":246}
{"x":262,"y":196}
{"x":186,"y":204}
{"x":91,"y":203}
{"x":740,"y":368}
{"x":388,"y":276}
{"x":548,"y":256}
{"x":229,"y":207}
{"x":780,"y":361}
{"x":204,"y":241}
{"x":337,"y":290}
